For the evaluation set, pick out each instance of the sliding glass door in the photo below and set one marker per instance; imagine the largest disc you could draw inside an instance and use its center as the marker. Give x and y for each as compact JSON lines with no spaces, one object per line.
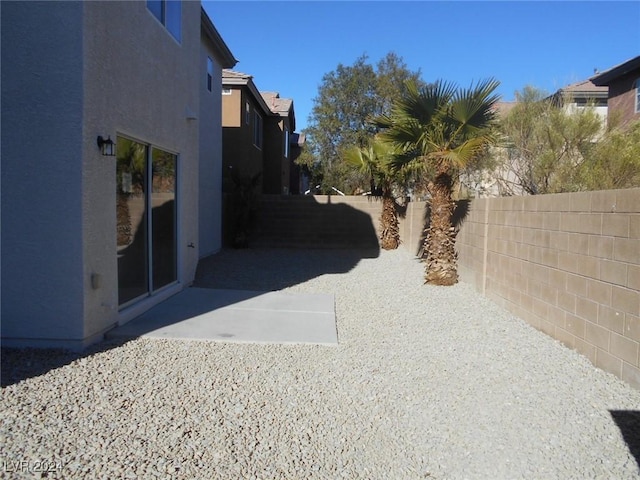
{"x":146,"y":219}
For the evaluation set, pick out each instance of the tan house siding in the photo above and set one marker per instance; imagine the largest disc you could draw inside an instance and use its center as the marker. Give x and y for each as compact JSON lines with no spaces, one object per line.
{"x":242,"y":156}
{"x":239,"y":150}
{"x":231,"y":108}
{"x":276,"y":168}
{"x":622,"y":98}
{"x":623,"y":82}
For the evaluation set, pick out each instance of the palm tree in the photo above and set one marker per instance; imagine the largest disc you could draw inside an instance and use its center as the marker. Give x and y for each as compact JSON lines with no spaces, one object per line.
{"x":442,"y":128}
{"x":375,"y":160}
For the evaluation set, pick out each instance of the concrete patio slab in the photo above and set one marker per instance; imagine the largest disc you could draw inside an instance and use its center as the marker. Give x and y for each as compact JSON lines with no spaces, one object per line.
{"x":238,"y":316}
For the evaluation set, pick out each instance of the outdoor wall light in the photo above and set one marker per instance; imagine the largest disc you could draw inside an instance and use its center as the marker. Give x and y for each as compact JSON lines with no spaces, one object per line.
{"x":107,"y":146}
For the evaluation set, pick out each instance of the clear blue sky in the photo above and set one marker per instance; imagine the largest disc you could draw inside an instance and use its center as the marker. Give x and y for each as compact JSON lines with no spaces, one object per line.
{"x":289,"y":46}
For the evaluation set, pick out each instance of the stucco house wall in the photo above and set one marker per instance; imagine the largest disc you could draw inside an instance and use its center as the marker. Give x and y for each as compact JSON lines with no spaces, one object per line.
{"x":239,"y":150}
{"x":73,"y":71}
{"x":210,"y":123}
{"x":42,"y":150}
{"x":142,"y":85}
{"x":276,"y":165}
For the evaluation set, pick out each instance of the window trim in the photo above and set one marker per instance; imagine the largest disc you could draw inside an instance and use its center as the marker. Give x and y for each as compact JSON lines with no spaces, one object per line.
{"x":637,"y":99}
{"x":226,"y":91}
{"x":209,"y":74}
{"x":257,"y":130}
{"x":166,"y":16}
{"x":286,"y":142}
{"x":152,"y":291}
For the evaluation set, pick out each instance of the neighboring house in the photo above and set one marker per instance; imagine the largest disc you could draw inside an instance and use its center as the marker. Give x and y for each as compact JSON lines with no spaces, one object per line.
{"x":90,"y":241}
{"x":278,"y":130}
{"x":583,"y":94}
{"x":244,"y":112}
{"x":298,"y":178}
{"x":624,"y":90}
{"x":258,"y":130}
{"x":507,"y":179}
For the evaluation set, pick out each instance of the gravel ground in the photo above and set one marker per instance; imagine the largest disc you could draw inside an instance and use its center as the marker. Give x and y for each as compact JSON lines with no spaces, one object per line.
{"x":427,"y":382}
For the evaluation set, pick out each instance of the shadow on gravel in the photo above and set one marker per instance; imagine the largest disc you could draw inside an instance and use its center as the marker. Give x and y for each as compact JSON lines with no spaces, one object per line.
{"x":628,"y":422}
{"x":19,"y":364}
{"x":270,"y":269}
{"x":254,"y":270}
{"x":230,"y":270}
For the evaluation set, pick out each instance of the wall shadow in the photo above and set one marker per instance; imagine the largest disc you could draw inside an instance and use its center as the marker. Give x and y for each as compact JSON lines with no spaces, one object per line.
{"x":305,"y":222}
{"x":241,"y":269}
{"x":331,"y":239}
{"x":17,"y":364}
{"x":628,"y":422}
{"x":297,"y":237}
{"x":132,"y":258}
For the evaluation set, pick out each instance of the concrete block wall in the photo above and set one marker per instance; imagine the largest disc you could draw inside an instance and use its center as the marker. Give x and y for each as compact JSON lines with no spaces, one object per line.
{"x":569,"y":264}
{"x":322,"y":221}
{"x":318,"y":221}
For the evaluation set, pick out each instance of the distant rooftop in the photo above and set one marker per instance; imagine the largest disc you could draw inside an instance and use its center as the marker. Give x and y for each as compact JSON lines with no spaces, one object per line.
{"x":227,"y":73}
{"x":277,"y":104}
{"x":603,"y":78}
{"x":585,"y":88}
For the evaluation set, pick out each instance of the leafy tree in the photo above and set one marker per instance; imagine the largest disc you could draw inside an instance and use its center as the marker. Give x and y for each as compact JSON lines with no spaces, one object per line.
{"x":546,"y":144}
{"x":614,"y":161}
{"x":375,"y":160}
{"x":348,"y":99}
{"x":442,"y":128}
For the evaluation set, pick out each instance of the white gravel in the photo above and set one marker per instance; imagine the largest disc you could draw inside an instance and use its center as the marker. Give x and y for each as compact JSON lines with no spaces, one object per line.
{"x":427,"y":382}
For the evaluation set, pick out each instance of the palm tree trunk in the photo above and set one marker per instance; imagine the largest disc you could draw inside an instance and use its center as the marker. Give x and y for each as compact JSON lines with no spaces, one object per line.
{"x":441,"y":261}
{"x":389,"y":230}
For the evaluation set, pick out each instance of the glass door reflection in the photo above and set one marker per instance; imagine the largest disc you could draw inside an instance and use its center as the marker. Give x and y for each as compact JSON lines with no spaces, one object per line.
{"x":146,"y":219}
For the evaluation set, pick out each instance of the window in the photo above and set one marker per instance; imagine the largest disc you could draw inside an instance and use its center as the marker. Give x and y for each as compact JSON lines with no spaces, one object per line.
{"x":209,"y":73}
{"x":638,"y":95}
{"x":286,"y":143}
{"x":247,"y":113}
{"x":257,"y":131}
{"x":169,"y":13}
{"x":226,"y":91}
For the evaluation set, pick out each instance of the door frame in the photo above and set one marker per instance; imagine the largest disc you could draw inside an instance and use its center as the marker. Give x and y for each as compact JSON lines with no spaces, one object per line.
{"x":135,"y":306}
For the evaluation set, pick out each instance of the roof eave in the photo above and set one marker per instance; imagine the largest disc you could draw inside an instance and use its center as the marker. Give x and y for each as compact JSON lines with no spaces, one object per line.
{"x":248,"y":82}
{"x":226,"y":57}
{"x":604,"y":78}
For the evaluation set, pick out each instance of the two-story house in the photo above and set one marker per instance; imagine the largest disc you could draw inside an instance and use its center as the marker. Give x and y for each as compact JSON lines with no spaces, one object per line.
{"x":257,"y":134}
{"x":111,"y":160}
{"x":624,"y":90}
{"x":583,"y":94}
{"x":244,"y":113}
{"x":278,"y":138}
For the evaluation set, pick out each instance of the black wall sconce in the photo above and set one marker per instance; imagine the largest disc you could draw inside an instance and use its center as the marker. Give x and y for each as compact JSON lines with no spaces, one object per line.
{"x":107,"y":146}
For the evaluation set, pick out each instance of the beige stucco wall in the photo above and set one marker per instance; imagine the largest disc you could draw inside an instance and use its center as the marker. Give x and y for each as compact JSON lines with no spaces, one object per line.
{"x":139,"y":82}
{"x":42,"y":150}
{"x":569,"y":264}
{"x":232,"y":108}
{"x":239,"y":151}
{"x":210,"y":170}
{"x":276,"y":166}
